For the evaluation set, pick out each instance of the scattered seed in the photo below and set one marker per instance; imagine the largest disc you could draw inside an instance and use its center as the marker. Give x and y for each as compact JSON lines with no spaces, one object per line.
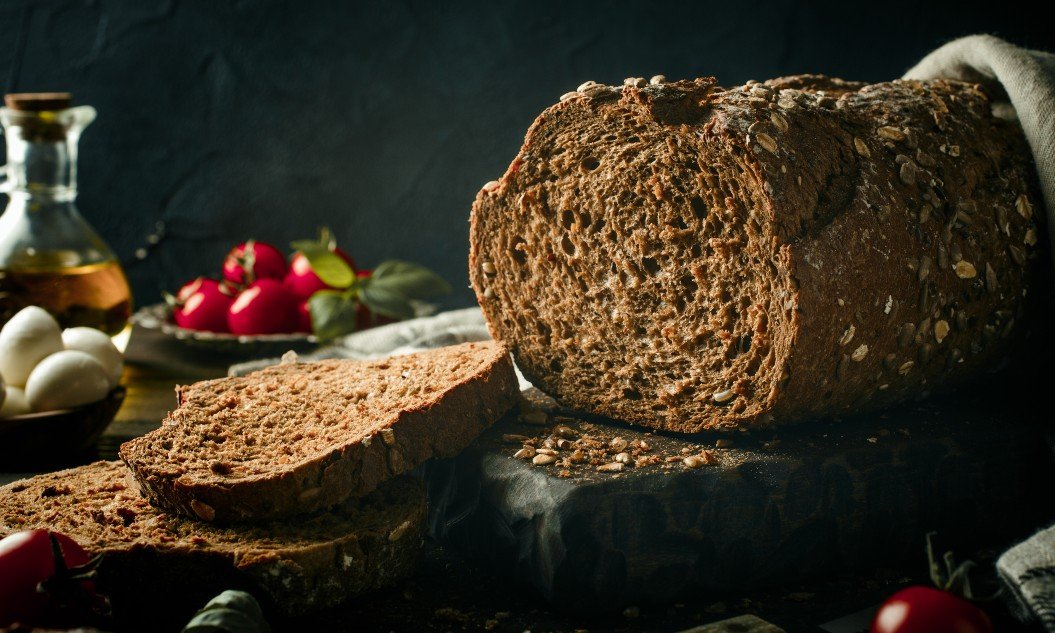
{"x":513,"y":438}
{"x":778,"y":121}
{"x":577,"y":457}
{"x":909,"y":173}
{"x":490,"y":186}
{"x":657,"y":80}
{"x":543,"y":460}
{"x":924,"y":268}
{"x":905,"y":368}
{"x":1031,"y":237}
{"x":613,"y":467}
{"x":859,"y":353}
{"x":692,"y":461}
{"x":990,"y":278}
{"x":941,"y":330}
{"x":617,"y":444}
{"x":595,"y":91}
{"x":565,"y":432}
{"x":955,"y":252}
{"x":943,"y":257}
{"x":908,"y":332}
{"x":546,"y":451}
{"x":785,"y":103}
{"x":622,"y":458}
{"x":570,"y":95}
{"x":951,"y":150}
{"x":890,"y":133}
{"x":586,"y":84}
{"x":488,"y":268}
{"x":723,"y":396}
{"x":525,"y":453}
{"x":847,"y":336}
{"x":965,"y":270}
{"x":924,"y":213}
{"x":563,"y":444}
{"x":767,"y":142}
{"x":1017,"y":254}
{"x":1024,"y":206}
{"x":723,"y":443}
{"x":1002,"y":222}
{"x":862,"y":148}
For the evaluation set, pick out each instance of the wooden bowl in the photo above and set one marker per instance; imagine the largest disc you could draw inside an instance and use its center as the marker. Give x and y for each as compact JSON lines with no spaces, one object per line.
{"x":49,"y":436}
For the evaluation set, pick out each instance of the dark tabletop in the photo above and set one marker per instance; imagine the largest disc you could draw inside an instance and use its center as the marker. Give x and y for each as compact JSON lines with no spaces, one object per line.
{"x":451,"y":594}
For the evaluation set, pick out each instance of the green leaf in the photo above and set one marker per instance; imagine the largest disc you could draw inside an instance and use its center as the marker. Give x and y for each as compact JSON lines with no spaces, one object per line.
{"x":408,"y":280}
{"x":383,"y":300}
{"x":229,"y":612}
{"x":325,"y":241}
{"x":330,"y":267}
{"x":333,"y":313}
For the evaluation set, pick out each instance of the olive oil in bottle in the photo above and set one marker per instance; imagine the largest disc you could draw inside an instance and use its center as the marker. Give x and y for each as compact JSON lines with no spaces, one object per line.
{"x":49,"y":255}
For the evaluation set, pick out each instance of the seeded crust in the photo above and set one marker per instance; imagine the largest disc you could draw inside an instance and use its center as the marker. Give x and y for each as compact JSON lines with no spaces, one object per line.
{"x":302,"y":437}
{"x":312,"y":563}
{"x":689,"y":257}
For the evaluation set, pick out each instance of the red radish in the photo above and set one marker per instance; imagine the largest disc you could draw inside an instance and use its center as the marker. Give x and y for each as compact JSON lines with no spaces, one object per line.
{"x":202,"y":305}
{"x":303,"y":317}
{"x":253,"y":260}
{"x":267,"y":306}
{"x":303,"y":281}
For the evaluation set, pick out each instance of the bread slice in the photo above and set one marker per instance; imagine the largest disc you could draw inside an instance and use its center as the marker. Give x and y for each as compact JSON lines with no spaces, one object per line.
{"x":154,"y":561}
{"x":301,"y":437}
{"x":691,"y":257}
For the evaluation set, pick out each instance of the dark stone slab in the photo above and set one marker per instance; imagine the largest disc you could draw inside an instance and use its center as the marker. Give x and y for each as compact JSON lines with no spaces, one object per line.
{"x":776,"y":507}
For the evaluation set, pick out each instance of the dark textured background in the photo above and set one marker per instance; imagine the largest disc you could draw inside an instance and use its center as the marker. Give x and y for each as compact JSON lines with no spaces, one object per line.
{"x":266,"y":119}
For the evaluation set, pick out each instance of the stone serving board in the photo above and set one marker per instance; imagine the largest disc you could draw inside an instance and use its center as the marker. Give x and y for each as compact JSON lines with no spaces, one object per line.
{"x":775,"y":508}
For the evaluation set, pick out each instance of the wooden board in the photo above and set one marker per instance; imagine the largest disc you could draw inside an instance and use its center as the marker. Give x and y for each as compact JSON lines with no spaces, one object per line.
{"x":775,"y":508}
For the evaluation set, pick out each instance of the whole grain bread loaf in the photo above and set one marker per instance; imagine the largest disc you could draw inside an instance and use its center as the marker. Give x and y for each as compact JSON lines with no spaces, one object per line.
{"x":301,"y":437}
{"x":296,"y":567}
{"x":690,"y":257}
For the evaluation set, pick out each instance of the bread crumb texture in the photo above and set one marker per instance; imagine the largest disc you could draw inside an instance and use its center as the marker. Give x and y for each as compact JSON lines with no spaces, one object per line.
{"x":300,"y":437}
{"x":690,"y":257}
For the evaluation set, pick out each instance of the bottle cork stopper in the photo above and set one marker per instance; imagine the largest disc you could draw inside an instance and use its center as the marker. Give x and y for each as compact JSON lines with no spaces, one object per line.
{"x":38,"y":101}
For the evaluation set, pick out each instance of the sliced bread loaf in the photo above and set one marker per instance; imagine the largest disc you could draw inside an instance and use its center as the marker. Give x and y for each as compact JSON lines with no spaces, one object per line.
{"x":691,"y":257}
{"x":301,"y":437}
{"x":154,"y":562}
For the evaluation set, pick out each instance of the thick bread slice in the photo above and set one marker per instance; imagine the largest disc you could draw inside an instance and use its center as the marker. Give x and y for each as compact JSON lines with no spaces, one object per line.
{"x":301,"y":437}
{"x":151,"y":560}
{"x":689,"y":257}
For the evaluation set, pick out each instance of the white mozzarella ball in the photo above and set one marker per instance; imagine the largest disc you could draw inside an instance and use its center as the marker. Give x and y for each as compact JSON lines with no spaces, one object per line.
{"x":15,"y":402}
{"x":25,"y":340}
{"x":66,"y":379}
{"x":99,"y":346}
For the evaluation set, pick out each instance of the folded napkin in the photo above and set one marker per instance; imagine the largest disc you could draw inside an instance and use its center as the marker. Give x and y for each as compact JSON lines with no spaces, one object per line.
{"x":1027,"y":571}
{"x":1023,"y":84}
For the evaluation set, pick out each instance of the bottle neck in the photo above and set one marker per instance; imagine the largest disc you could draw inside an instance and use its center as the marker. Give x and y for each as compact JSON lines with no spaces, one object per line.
{"x":41,"y":167}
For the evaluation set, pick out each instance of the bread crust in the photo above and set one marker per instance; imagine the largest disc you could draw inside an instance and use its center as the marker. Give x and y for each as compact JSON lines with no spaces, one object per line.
{"x":885,"y":235}
{"x":438,"y":424}
{"x":294,"y":568}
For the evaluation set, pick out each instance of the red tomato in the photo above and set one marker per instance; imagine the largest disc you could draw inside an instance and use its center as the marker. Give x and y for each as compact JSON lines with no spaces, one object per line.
{"x":926,"y":610}
{"x":253,"y":260}
{"x":303,"y":281}
{"x":26,"y":560}
{"x":202,"y":305}
{"x":266,"y":307}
